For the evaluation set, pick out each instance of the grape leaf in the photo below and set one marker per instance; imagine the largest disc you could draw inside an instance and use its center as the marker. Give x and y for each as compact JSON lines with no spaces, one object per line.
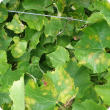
{"x":4,"y":39}
{"x":59,"y":56}
{"x":104,"y":90}
{"x":3,"y":62}
{"x":16,"y":25}
{"x":61,"y":85}
{"x":18,"y":48}
{"x":4,"y":98}
{"x":80,"y":74}
{"x":88,"y":105}
{"x":38,"y":5}
{"x":33,"y":68}
{"x":17,"y":94}
{"x":13,"y":4}
{"x":36,"y":98}
{"x":90,"y":50}
{"x":33,"y":21}
{"x":52,"y":27}
{"x":8,"y":78}
{"x":3,"y":13}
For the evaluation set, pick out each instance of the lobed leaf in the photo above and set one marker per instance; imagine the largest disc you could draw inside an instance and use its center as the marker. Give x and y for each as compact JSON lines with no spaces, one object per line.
{"x":90,"y":50}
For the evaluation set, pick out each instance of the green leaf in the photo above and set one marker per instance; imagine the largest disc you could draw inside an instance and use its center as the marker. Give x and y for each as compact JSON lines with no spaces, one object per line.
{"x":90,"y":50}
{"x":3,"y":62}
{"x":52,"y":27}
{"x":95,"y":17}
{"x":84,"y":3}
{"x":61,"y":85}
{"x":88,"y":105}
{"x":13,"y":4}
{"x":33,"y":21}
{"x":8,"y":78}
{"x":36,"y":98}
{"x":3,"y":13}
{"x":104,"y":90}
{"x":59,"y":56}
{"x":33,"y":68}
{"x":80,"y":74}
{"x":18,"y":48}
{"x":16,"y":25}
{"x":4,"y":39}
{"x":4,"y":98}
{"x":17,"y":94}
{"x":38,"y":5}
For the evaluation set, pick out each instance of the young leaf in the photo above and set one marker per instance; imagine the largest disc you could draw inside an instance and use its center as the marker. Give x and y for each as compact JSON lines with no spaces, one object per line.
{"x":59,"y":56}
{"x":104,"y":90}
{"x":88,"y":105}
{"x":90,"y":50}
{"x":38,"y":5}
{"x":17,"y":94}
{"x":52,"y":27}
{"x":80,"y":74}
{"x":16,"y":25}
{"x":18,"y":48}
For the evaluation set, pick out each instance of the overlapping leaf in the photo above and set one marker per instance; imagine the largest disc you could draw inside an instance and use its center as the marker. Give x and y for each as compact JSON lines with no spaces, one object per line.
{"x":58,"y":86}
{"x":104,"y":91}
{"x":16,"y":25}
{"x":8,"y":78}
{"x":37,"y":98}
{"x":59,"y":56}
{"x":18,"y":48}
{"x":4,"y":39}
{"x":38,"y":5}
{"x":4,"y":98}
{"x":33,"y":68}
{"x":88,"y":105}
{"x":80,"y":74}
{"x":3,"y":62}
{"x":90,"y":50}
{"x":17,"y":94}
{"x":33,"y":21}
{"x":53,"y":27}
{"x":3,"y":13}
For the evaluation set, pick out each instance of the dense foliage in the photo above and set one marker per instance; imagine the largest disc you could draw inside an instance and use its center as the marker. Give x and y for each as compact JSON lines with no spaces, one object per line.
{"x":49,"y":63}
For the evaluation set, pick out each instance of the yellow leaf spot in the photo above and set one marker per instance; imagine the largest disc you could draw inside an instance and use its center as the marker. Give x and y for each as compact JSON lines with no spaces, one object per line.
{"x":90,"y":37}
{"x":90,"y":55}
{"x":66,"y":91}
{"x":5,"y":37}
{"x":59,"y":83}
{"x":108,"y":62}
{"x":101,"y":55}
{"x":56,"y":108}
{"x":52,"y":72}
{"x":78,"y":46}
{"x":16,"y":27}
{"x":16,"y":31}
{"x":97,"y":61}
{"x":67,"y":97}
{"x":10,"y":26}
{"x":108,"y":38}
{"x":61,"y":77}
{"x":88,"y":45}
{"x":4,"y":17}
{"x":103,"y":60}
{"x":97,"y":38}
{"x":45,"y":93}
{"x":32,"y":84}
{"x":82,"y":62}
{"x":66,"y":81}
{"x":0,"y":14}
